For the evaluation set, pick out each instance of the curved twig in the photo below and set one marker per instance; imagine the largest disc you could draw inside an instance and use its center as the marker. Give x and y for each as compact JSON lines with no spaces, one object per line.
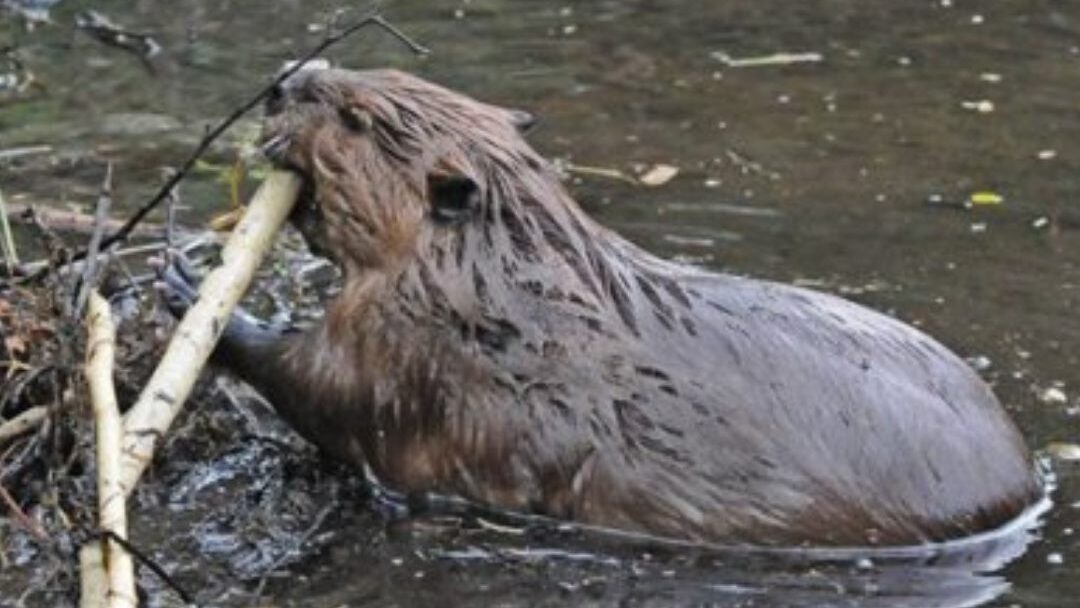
{"x":372,"y":18}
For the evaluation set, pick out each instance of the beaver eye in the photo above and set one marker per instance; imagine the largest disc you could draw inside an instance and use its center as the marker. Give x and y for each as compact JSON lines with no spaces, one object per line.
{"x":357,"y":119}
{"x":454,"y":198}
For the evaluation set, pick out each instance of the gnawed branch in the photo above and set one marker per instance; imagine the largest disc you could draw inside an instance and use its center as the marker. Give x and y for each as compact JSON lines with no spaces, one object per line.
{"x":112,"y":514}
{"x":198,"y":332}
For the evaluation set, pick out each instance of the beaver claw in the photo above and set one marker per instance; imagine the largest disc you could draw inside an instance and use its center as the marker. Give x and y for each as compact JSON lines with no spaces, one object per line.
{"x":177,"y":285}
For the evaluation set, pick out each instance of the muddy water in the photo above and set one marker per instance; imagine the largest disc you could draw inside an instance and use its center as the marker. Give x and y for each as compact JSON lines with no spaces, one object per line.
{"x":849,"y":174}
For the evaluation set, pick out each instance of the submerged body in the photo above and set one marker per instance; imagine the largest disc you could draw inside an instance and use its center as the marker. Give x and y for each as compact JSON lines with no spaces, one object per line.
{"x":492,"y":342}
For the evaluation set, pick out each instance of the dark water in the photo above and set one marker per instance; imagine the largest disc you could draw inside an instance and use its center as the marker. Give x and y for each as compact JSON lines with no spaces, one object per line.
{"x":847,"y":174}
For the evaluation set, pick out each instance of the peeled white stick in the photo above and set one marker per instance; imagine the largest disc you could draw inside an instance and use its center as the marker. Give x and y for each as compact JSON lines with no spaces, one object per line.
{"x":93,"y":582}
{"x":112,"y":515}
{"x":24,"y":422}
{"x":194,"y":339}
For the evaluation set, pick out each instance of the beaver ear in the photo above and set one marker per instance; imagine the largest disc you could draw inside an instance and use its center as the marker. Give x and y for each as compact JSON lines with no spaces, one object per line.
{"x":357,"y":118}
{"x":454,"y":197}
{"x":523,"y":121}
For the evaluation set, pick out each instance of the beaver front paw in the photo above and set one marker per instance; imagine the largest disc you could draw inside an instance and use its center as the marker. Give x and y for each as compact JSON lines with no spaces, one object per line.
{"x":178,"y":288}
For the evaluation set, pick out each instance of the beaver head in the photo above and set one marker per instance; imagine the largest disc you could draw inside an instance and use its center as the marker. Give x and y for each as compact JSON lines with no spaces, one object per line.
{"x":438,"y":199}
{"x":390,"y":161}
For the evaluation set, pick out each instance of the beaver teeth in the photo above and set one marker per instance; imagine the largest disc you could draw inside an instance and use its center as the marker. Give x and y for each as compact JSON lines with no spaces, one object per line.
{"x":275,"y":147}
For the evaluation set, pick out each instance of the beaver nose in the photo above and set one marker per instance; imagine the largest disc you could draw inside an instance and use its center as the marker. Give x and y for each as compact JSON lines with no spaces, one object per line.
{"x":288,"y":88}
{"x":275,"y":99}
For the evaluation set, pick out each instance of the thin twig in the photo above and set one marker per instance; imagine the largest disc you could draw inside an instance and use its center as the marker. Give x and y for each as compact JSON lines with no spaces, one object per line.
{"x":298,"y":545}
{"x":76,"y":222}
{"x":20,"y":516}
{"x":102,"y":29}
{"x":14,"y":153}
{"x":7,"y":244}
{"x":600,"y":172}
{"x":171,"y":201}
{"x":56,"y":249}
{"x":23,"y":423}
{"x":372,"y":18}
{"x":13,"y":388}
{"x":133,"y":283}
{"x":154,"y":567}
{"x":30,"y":448}
{"x":32,"y":268}
{"x":90,"y":269}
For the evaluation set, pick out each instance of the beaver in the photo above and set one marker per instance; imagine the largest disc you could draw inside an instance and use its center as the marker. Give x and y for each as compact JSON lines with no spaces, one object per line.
{"x":493,"y":343}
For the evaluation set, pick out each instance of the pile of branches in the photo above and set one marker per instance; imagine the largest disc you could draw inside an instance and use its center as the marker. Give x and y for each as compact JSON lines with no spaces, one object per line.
{"x":46,"y":430}
{"x":48,"y":466}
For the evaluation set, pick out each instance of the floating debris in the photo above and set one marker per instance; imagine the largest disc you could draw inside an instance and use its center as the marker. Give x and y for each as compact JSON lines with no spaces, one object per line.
{"x":725,"y":208}
{"x":16,"y":78}
{"x":1053,"y":395}
{"x":938,"y":200}
{"x":1046,"y":154}
{"x":986,"y":198}
{"x":1055,"y":559}
{"x":138,"y":124}
{"x":980,"y":363}
{"x":1040,"y":222}
{"x":766,"y":60}
{"x":105,"y":31}
{"x":689,"y":241}
{"x":1064,"y":451}
{"x":33,"y":11}
{"x":22,"y":151}
{"x":990,"y":77}
{"x":658,"y":175}
{"x":747,"y":166}
{"x":982,"y":106}
{"x":608,"y":172}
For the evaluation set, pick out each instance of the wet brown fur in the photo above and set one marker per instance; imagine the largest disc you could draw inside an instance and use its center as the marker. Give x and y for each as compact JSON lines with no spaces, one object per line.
{"x":527,"y":358}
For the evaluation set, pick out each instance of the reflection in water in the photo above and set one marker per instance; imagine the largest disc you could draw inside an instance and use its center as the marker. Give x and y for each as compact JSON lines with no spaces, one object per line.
{"x":619,"y":569}
{"x":952,"y":574}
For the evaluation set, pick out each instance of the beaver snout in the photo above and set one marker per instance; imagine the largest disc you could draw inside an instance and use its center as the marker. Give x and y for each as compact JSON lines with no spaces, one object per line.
{"x":288,"y":106}
{"x":296,"y":81}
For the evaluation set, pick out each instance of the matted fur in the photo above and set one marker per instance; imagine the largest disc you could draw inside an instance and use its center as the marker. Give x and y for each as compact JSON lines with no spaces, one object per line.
{"x":525,"y":357}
